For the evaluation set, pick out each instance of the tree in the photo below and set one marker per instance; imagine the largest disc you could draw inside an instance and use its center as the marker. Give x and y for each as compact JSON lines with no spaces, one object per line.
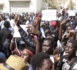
{"x":52,"y":4}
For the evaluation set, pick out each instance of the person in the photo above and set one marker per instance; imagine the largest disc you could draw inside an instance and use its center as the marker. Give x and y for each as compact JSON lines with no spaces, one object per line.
{"x":48,"y":33}
{"x":41,"y":61}
{"x":74,"y":65}
{"x":69,"y":56}
{"x":5,"y":38}
{"x":12,"y":22}
{"x":47,"y":46}
{"x":66,"y":34}
{"x":2,"y":21}
{"x":27,"y":54}
{"x":71,"y":52}
{"x":2,"y":57}
{"x":54,"y":29}
{"x":26,"y":38}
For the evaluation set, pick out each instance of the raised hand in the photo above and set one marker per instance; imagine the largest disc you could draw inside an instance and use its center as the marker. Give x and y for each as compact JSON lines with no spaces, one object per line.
{"x":64,"y":21}
{"x":56,"y":54}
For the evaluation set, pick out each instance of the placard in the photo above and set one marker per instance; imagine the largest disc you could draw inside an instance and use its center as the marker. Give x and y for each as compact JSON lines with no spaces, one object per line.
{"x":16,"y":32}
{"x":71,"y":12}
{"x":48,"y":15}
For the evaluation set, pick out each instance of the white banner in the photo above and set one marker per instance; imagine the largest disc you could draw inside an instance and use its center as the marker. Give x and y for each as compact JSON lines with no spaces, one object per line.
{"x":16,"y":32}
{"x":71,"y":12}
{"x":49,"y":15}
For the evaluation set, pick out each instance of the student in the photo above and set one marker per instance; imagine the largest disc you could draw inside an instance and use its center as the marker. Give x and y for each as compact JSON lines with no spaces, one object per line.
{"x":41,"y":61}
{"x":2,"y":57}
{"x":5,"y":38}
{"x":27,"y":54}
{"x":69,"y":55}
{"x":47,"y":46}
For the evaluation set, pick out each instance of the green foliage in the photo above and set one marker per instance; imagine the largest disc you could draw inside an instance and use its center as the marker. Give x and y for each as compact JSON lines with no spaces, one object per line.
{"x":52,"y":4}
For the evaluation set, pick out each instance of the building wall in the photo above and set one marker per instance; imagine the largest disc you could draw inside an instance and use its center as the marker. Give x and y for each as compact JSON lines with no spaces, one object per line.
{"x":39,"y":5}
{"x":5,"y":4}
{"x":32,"y":8}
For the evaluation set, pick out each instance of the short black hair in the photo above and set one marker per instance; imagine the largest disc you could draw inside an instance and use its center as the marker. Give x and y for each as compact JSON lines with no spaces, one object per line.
{"x":12,"y":16}
{"x":74,"y":42}
{"x":51,"y":41}
{"x":7,"y":24}
{"x":52,"y":45}
{"x":38,"y":58}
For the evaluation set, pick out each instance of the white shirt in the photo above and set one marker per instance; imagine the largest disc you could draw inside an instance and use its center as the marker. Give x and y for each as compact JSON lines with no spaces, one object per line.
{"x":75,"y":67}
{"x":65,"y":66}
{"x":2,"y":24}
{"x":12,"y":23}
{"x":27,"y":22}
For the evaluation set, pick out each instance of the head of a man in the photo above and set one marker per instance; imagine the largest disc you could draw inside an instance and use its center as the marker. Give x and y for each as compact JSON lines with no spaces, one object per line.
{"x":71,"y":48}
{"x":27,"y":54}
{"x":41,"y":61}
{"x":6,"y":24}
{"x":47,"y":46}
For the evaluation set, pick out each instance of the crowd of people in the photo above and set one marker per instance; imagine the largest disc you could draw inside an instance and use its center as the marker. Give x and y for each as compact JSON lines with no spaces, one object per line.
{"x":42,"y":45}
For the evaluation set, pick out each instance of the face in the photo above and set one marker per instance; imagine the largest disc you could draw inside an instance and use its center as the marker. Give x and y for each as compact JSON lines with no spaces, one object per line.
{"x":47,"y":65}
{"x":46,"y":46}
{"x":26,"y":55}
{"x":47,"y":32}
{"x":69,"y":49}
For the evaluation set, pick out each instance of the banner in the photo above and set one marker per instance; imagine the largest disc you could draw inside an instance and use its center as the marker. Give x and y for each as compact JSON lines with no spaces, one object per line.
{"x":71,"y":12}
{"x":49,"y":15}
{"x":16,"y":32}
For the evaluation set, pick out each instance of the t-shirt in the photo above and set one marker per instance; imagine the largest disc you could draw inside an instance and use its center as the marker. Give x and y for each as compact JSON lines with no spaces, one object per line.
{"x":65,"y":66}
{"x":75,"y":67}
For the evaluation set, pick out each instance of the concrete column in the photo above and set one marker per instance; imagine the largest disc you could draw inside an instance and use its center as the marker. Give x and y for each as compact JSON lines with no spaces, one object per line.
{"x":39,"y":5}
{"x":36,"y":5}
{"x":5,"y":6}
{"x":76,"y":5}
{"x":33,"y":6}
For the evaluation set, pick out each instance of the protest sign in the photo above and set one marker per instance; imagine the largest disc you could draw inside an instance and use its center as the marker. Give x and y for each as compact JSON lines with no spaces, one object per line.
{"x":16,"y":32}
{"x":49,"y":15}
{"x":71,"y":12}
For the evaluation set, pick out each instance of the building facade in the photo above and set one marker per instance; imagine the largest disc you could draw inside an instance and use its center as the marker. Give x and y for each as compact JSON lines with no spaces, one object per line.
{"x":20,"y":6}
